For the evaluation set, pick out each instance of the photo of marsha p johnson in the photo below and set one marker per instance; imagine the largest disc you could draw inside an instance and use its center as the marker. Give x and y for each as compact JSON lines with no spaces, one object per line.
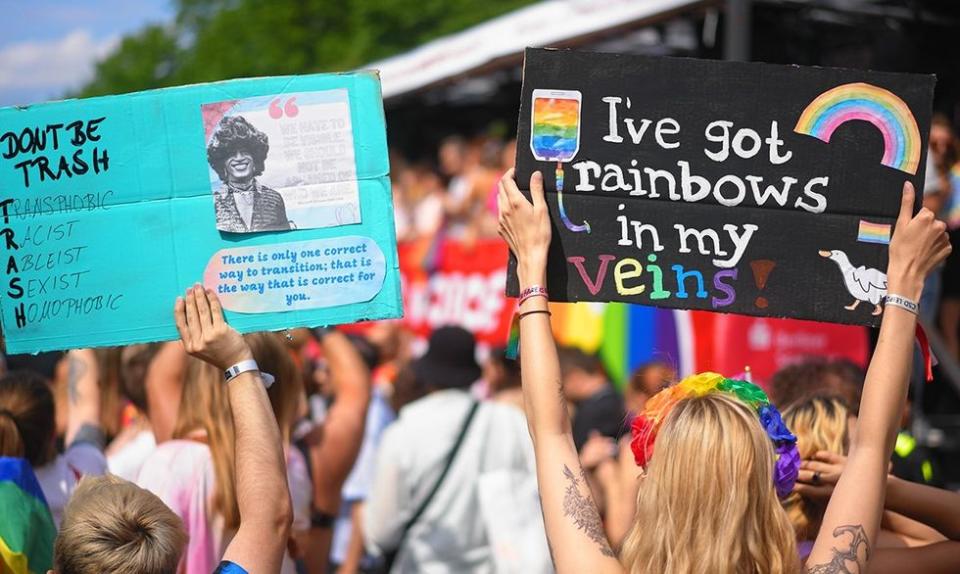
{"x":237,"y":152}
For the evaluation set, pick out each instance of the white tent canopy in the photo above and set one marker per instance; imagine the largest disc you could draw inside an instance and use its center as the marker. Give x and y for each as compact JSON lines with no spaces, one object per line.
{"x":546,"y":23}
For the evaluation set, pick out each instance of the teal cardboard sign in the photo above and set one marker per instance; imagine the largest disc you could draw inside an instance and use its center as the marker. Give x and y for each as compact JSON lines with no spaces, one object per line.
{"x":113,"y":206}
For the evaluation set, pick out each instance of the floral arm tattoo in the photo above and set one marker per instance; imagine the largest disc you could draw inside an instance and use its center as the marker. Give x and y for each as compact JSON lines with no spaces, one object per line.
{"x":583,"y":511}
{"x":847,"y":560}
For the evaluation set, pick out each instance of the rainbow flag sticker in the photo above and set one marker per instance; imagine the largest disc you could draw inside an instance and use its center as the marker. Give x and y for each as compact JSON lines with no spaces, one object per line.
{"x":873,"y":232}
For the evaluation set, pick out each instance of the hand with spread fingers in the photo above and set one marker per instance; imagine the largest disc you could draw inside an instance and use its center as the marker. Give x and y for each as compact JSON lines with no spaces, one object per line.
{"x":205,"y":333}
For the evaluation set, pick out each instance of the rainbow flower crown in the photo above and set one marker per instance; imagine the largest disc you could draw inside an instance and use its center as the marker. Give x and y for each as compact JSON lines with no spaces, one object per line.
{"x":647,"y":423}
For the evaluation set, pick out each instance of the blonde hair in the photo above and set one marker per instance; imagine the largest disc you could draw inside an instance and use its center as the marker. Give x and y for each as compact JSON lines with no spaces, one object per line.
{"x":111,"y":525}
{"x":820,"y":423}
{"x":708,"y":503}
{"x":205,"y":406}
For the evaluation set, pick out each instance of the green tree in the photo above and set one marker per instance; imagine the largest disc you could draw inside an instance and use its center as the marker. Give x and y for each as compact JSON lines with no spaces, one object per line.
{"x":141,"y":61}
{"x":220,"y":39}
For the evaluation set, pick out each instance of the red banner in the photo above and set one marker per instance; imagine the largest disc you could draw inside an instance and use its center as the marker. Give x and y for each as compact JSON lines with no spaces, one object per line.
{"x":464,"y":287}
{"x":729,"y":343}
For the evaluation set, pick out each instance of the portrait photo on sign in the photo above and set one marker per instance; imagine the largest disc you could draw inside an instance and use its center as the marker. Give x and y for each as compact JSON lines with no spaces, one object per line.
{"x":282,"y":162}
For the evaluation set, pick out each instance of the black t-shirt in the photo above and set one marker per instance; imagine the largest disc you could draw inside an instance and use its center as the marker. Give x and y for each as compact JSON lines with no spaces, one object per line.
{"x":603,"y":412}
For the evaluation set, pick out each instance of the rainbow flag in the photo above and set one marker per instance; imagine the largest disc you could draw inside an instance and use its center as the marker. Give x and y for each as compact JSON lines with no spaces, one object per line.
{"x":626,"y":336}
{"x":873,"y":232}
{"x":27,"y":531}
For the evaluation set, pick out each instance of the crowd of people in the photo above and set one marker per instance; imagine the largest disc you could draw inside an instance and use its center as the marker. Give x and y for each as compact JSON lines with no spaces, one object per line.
{"x":337,"y":451}
{"x":455,"y":195}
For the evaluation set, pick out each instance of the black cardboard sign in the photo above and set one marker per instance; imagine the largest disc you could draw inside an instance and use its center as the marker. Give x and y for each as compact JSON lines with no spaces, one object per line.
{"x":697,"y":184}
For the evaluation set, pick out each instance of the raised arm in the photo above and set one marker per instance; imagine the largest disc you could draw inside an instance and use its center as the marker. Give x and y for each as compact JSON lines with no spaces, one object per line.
{"x":262,"y":493}
{"x":574,"y":532}
{"x":83,"y":398}
{"x":852,"y":519}
{"x":334,"y":456}
{"x":343,"y":428}
{"x":935,"y":507}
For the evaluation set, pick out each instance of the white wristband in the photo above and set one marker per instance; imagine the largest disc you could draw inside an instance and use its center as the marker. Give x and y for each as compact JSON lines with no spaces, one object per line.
{"x":902,"y":302}
{"x":244,"y":367}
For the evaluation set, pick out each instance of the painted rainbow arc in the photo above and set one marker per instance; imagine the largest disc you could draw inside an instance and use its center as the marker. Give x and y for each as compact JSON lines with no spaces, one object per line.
{"x":865,"y":102}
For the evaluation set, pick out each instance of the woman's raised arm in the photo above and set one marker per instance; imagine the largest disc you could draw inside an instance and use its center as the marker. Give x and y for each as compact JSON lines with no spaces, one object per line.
{"x":852,"y":519}
{"x":574,"y":531}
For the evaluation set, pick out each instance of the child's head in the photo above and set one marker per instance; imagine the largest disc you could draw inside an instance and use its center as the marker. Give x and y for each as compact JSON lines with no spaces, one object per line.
{"x":820,"y":423}
{"x":111,"y":525}
{"x":711,"y":485}
{"x":27,"y":418}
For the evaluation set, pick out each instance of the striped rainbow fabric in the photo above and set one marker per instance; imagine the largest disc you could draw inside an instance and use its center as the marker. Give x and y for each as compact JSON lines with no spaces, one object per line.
{"x":625,"y":336}
{"x":869,"y":232}
{"x":27,"y":531}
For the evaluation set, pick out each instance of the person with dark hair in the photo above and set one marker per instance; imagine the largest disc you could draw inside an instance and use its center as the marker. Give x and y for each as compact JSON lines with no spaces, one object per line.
{"x":28,"y":427}
{"x":238,"y":152}
{"x":818,"y":376}
{"x":647,"y":380}
{"x":599,"y":407}
{"x":437,"y":462}
{"x":503,"y":377}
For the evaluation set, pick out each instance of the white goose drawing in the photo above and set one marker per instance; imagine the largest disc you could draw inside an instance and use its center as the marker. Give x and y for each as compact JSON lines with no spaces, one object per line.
{"x":863,"y":283}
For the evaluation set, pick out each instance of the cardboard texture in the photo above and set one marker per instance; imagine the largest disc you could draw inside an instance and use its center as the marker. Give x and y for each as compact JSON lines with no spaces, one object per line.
{"x":110,"y":211}
{"x":746,"y":188}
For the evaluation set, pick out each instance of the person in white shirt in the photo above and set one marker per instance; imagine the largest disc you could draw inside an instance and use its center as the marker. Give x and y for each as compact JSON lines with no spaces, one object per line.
{"x":454,"y":532}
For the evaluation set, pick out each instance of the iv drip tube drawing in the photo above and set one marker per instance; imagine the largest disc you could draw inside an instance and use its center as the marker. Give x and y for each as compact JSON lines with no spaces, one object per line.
{"x":555,"y":137}
{"x":563,"y":212}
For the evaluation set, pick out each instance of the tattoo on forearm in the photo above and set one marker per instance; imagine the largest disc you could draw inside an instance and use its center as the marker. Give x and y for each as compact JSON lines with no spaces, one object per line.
{"x":76,"y":369}
{"x":583,"y":511}
{"x":849,"y":559}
